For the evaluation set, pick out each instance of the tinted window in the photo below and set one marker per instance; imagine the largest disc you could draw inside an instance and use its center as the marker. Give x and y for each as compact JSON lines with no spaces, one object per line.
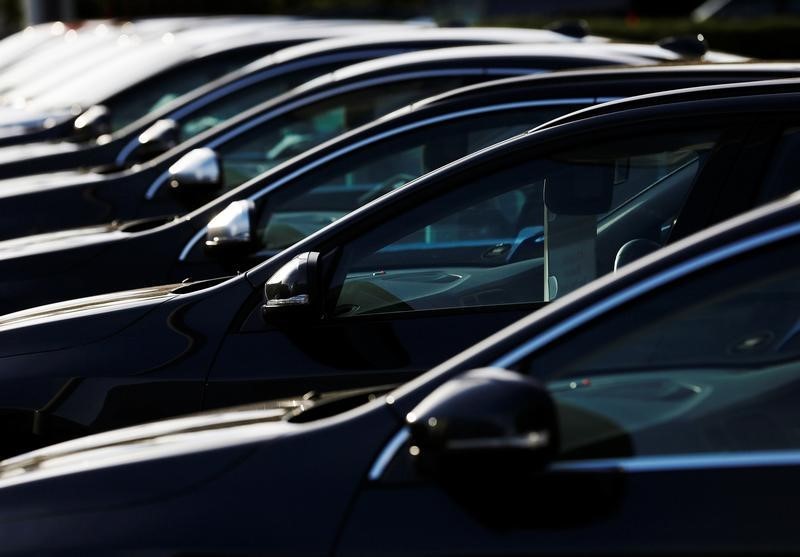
{"x":495,"y":238}
{"x":157,"y":91}
{"x":330,"y":192}
{"x":708,"y":365}
{"x":783,"y":174}
{"x":242,"y":99}
{"x":290,"y":134}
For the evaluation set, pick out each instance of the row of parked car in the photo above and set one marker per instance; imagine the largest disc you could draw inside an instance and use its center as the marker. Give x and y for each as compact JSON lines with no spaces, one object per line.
{"x":394,"y":289}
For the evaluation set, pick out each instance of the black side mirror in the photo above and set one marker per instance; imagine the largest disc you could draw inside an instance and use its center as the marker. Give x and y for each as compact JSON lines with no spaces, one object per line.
{"x":291,"y":294}
{"x":231,"y":234}
{"x":490,"y":423}
{"x":198,"y":172}
{"x":93,"y":123}
{"x":159,"y":138}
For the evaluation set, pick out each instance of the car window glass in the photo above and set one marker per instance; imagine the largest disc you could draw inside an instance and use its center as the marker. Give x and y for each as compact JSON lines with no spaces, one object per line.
{"x":334,"y":190}
{"x":281,"y":138}
{"x":247,"y":97}
{"x":157,"y":91}
{"x":710,"y":364}
{"x":494,"y":239}
{"x":783,"y":173}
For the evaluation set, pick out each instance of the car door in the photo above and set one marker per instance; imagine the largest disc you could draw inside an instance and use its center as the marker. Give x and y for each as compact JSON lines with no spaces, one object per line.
{"x":432,"y":277}
{"x":678,"y":428}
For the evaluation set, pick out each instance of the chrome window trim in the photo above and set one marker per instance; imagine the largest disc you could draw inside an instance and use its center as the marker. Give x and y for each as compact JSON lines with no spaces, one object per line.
{"x":385,"y":135}
{"x":687,"y":267}
{"x":260,"y":119}
{"x":658,"y":463}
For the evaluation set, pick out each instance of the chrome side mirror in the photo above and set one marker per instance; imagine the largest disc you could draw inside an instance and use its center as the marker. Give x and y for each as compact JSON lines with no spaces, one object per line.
{"x":199,"y":169}
{"x":232,"y":231}
{"x":94,"y":122}
{"x":291,"y":291}
{"x":158,"y":138}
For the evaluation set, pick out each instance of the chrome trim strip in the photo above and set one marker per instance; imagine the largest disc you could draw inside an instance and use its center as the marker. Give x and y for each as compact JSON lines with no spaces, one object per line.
{"x":306,"y":100}
{"x":395,"y":131}
{"x":682,"y":462}
{"x":643,"y":287}
{"x":388,"y":452}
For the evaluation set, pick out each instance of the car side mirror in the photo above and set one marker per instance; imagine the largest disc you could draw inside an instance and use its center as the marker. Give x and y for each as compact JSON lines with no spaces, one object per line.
{"x":493,"y":424}
{"x":198,"y":171}
{"x":232,"y":232}
{"x":290,"y":295}
{"x":94,"y":122}
{"x":158,"y":138}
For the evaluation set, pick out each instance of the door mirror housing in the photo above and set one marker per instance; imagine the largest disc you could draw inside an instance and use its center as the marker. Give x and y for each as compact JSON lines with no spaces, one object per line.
{"x":198,"y":171}
{"x":493,"y":424}
{"x":159,"y":138}
{"x":94,"y":122}
{"x":291,"y":294}
{"x":232,"y":232}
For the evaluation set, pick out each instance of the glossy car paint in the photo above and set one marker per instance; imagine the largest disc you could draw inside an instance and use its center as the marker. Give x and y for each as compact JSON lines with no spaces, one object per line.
{"x":107,"y":258}
{"x":206,"y":345}
{"x":67,"y":200}
{"x":223,"y":467}
{"x":118,"y":149}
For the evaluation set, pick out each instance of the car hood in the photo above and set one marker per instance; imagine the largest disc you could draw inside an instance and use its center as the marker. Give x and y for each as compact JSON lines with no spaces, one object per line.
{"x":59,"y":240}
{"x":34,"y":183}
{"x":18,"y":121}
{"x":210,"y":430}
{"x":14,"y":153}
{"x":47,"y":328}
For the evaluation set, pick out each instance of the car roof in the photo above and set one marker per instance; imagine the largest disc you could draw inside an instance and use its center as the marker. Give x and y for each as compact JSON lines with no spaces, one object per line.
{"x":722,"y":91}
{"x":467,"y":55}
{"x":623,"y":75}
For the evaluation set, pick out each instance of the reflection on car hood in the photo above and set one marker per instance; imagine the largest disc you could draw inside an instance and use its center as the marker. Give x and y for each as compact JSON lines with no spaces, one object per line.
{"x":14,"y":153}
{"x":16,"y":121}
{"x":62,"y":239}
{"x":83,"y":306}
{"x":37,"y":182}
{"x":211,"y":430}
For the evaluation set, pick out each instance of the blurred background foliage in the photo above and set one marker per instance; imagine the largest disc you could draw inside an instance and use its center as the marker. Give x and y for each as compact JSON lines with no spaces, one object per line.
{"x":759,"y":28}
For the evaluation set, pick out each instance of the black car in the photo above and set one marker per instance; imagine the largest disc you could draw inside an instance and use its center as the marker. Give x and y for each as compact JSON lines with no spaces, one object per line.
{"x":262,"y":137}
{"x":126,"y":83}
{"x":409,"y":279}
{"x":297,"y":198}
{"x":129,"y":134}
{"x":652,"y":412}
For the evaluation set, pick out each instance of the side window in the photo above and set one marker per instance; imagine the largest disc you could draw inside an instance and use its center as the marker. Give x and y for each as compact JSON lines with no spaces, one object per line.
{"x":325,"y":194}
{"x":245,"y":98}
{"x":171,"y":84}
{"x":783,"y":174}
{"x":494,"y":239}
{"x":709,"y":364}
{"x":281,"y":138}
